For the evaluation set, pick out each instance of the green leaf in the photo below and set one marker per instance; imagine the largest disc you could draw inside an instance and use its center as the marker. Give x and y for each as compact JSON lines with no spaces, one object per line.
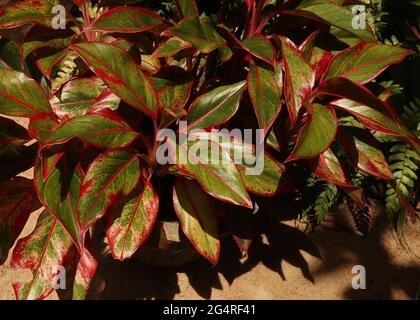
{"x":18,"y":200}
{"x":41,"y":38}
{"x":331,"y":14}
{"x":126,"y":20}
{"x":187,"y":8}
{"x":202,"y":34}
{"x":365,"y":61}
{"x":218,"y":177}
{"x":21,"y":96}
{"x":132,"y":221}
{"x":331,"y":169}
{"x":197,"y":217}
{"x":172,"y":47}
{"x":260,"y":47}
{"x":17,"y":160}
{"x":58,"y":179}
{"x":102,"y":128}
{"x":77,"y":97}
{"x":173,"y":85}
{"x":216,"y":106}
{"x":243,"y":244}
{"x":47,"y":64}
{"x":121,"y":73}
{"x":28,"y":11}
{"x":41,"y":252}
{"x":12,"y":135}
{"x":263,"y":180}
{"x":369,"y":109}
{"x":317,"y":134}
{"x":265,"y":89}
{"x":112,"y":175}
{"x":363,"y":150}
{"x":298,"y":80}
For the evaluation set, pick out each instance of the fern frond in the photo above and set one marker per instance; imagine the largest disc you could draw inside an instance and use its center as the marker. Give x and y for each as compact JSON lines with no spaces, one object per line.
{"x":404,"y":165}
{"x":325,"y":201}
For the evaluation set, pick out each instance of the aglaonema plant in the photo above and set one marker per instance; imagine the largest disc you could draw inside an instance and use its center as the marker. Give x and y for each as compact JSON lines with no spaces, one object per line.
{"x":100,"y":84}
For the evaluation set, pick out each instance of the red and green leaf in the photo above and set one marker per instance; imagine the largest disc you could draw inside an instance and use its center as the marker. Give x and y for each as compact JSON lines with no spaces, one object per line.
{"x":112,"y":175}
{"x":260,"y":47}
{"x":265,"y":90}
{"x":102,"y":128}
{"x":364,"y":62}
{"x":198,"y":218}
{"x":121,"y":73}
{"x":58,"y":178}
{"x":132,"y":221}
{"x":85,"y":271}
{"x":363,"y":150}
{"x":17,"y":201}
{"x":21,"y":96}
{"x":187,"y":8}
{"x":41,"y":252}
{"x":126,"y":20}
{"x":28,"y":11}
{"x":317,"y":134}
{"x":216,"y":106}
{"x":218,"y":177}
{"x":202,"y":34}
{"x":298,"y":80}
{"x":12,"y":135}
{"x":331,"y":13}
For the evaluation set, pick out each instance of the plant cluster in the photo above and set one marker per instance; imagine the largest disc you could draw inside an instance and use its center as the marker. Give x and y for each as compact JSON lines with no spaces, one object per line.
{"x":98,"y":93}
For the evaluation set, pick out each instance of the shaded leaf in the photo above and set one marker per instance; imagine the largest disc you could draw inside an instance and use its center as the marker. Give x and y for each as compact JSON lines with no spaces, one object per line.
{"x":365,"y":61}
{"x":265,"y":90}
{"x":17,"y":201}
{"x":126,"y":20}
{"x":298,"y":80}
{"x":317,"y":134}
{"x":197,"y":217}
{"x":363,"y":150}
{"x":202,"y":34}
{"x":41,"y":252}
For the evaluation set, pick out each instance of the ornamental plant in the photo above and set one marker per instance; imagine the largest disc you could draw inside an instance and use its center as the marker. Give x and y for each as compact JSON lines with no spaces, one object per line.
{"x":98,"y":81}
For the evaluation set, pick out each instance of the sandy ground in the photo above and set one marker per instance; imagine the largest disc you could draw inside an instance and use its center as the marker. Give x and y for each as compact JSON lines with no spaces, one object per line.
{"x":294,"y":266}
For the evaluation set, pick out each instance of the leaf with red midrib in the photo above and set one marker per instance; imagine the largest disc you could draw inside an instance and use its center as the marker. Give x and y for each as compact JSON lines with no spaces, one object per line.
{"x":111,"y":175}
{"x":21,"y":96}
{"x":197,"y":217}
{"x":219,"y":177}
{"x":41,"y":251}
{"x":118,"y":69}
{"x":365,"y":61}
{"x":132,"y":221}
{"x":126,"y":20}
{"x":299,"y":77}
